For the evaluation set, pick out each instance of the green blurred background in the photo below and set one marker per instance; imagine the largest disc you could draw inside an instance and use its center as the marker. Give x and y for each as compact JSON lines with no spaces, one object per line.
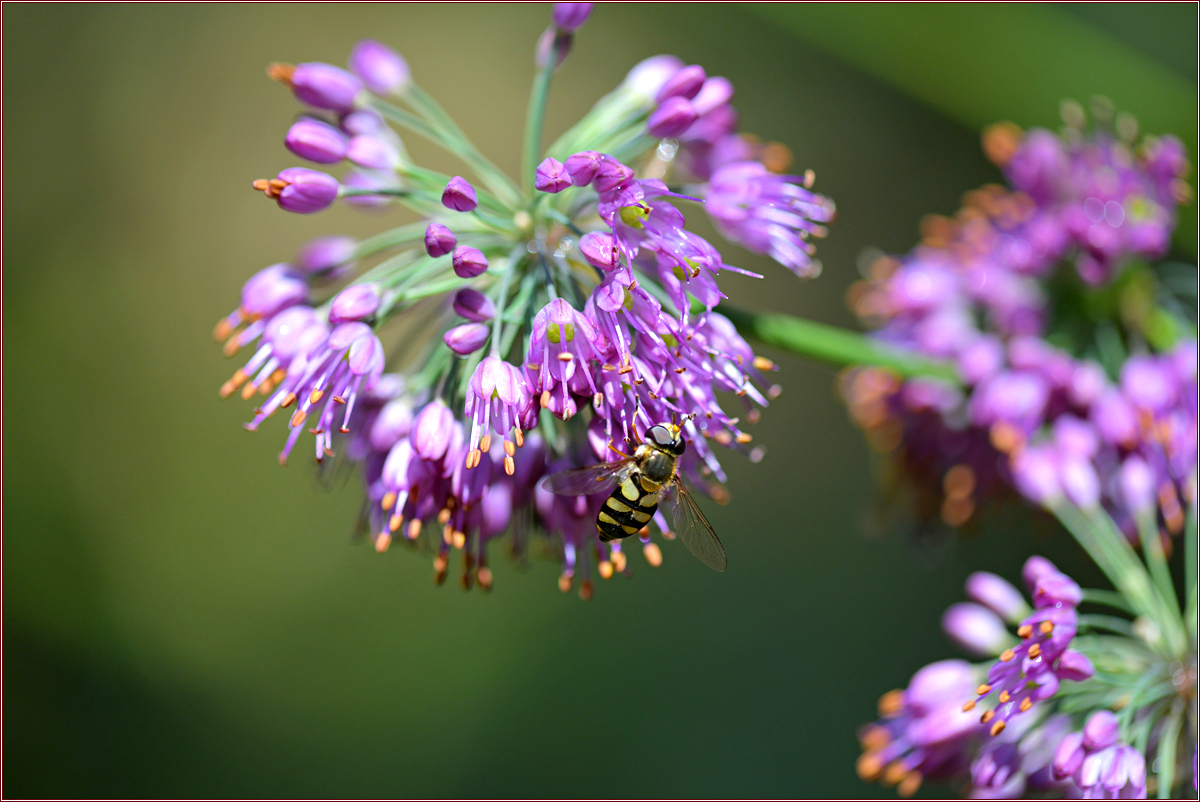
{"x":184,"y":618}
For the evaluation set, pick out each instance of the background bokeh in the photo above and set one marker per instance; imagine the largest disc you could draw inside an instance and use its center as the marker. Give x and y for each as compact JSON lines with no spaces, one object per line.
{"x":184,"y":618}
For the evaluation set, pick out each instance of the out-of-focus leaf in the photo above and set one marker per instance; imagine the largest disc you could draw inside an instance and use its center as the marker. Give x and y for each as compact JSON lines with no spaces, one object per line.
{"x":980,"y":63}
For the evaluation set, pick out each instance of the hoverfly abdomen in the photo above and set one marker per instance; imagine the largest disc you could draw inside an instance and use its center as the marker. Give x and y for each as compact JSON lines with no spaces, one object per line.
{"x":626,"y":511}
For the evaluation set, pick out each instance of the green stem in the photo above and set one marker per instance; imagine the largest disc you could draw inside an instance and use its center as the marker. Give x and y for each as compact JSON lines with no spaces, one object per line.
{"x":389,"y":239}
{"x":1108,"y":547}
{"x":1107,"y":598}
{"x":1166,"y":751}
{"x":1157,"y":561}
{"x":535,"y":118}
{"x":1110,"y":623}
{"x":456,"y":142}
{"x":502,"y":296}
{"x":1189,"y":555}
{"x":839,"y":346}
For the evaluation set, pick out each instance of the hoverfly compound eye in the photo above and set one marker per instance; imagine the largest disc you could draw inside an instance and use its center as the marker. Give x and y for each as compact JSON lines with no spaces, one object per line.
{"x":661,"y":436}
{"x":679,"y":446}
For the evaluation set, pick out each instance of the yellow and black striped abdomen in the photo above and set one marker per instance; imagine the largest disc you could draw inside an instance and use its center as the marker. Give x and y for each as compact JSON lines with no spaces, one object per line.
{"x":627,"y":510}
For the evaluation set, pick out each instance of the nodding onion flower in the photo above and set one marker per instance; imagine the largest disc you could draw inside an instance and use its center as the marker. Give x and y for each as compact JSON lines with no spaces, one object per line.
{"x":1090,"y":693}
{"x":542,"y":319}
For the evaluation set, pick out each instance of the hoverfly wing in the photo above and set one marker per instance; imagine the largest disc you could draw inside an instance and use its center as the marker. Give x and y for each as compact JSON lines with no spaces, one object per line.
{"x":695,"y":531}
{"x":587,"y":481}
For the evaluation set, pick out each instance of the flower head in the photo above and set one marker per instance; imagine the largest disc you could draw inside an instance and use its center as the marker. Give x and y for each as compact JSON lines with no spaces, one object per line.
{"x":564,"y":305}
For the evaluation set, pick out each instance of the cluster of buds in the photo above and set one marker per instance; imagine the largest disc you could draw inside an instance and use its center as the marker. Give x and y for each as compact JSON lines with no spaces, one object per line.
{"x":574,"y":308}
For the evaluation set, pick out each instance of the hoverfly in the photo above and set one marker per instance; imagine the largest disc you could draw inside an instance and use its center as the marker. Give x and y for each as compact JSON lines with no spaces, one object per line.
{"x":638,"y":483}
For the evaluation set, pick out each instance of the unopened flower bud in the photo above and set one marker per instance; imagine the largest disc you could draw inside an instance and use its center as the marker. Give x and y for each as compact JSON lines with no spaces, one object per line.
{"x":998,"y":594}
{"x":357,"y":179}
{"x":467,"y":338}
{"x":1075,"y":666}
{"x":1068,"y":757}
{"x":372,"y":152}
{"x":552,"y":38}
{"x":674,"y":116}
{"x":1054,"y":588}
{"x":685,"y":83}
{"x":1035,"y":471}
{"x":356,"y":302}
{"x":363,"y":121}
{"x":381,"y":68}
{"x":393,"y":423}
{"x":551,"y":175}
{"x":439,"y":240}
{"x":648,"y":77}
{"x":611,"y":174}
{"x":325,"y":86}
{"x":715,"y":92}
{"x":582,"y":167}
{"x":325,"y":253}
{"x":1034,"y":568}
{"x":474,"y":305}
{"x":432,"y":430}
{"x":1137,"y":485}
{"x":300,"y":190}
{"x":469,"y":262}
{"x":599,"y":250}
{"x":316,"y":141}
{"x":976,"y":628}
{"x":1079,"y":480}
{"x":569,"y":16}
{"x":1101,"y":730}
{"x":273,"y":289}
{"x":459,"y":195}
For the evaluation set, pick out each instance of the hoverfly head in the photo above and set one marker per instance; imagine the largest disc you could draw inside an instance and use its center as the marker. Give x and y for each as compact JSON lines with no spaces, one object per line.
{"x":668,"y":437}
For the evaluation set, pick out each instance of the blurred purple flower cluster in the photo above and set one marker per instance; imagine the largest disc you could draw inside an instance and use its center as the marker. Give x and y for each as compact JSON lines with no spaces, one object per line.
{"x":981,"y":292}
{"x":936,"y":727}
{"x":504,"y":378}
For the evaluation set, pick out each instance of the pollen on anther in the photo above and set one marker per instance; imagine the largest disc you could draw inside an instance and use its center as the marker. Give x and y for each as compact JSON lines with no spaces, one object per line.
{"x":1035,"y":650}
{"x":509,"y":448}
{"x":1026,"y":703}
{"x":1004,"y":697}
{"x":510,"y":466}
{"x":1007,"y":655}
{"x":485,"y":443}
{"x":1046,"y":627}
{"x":298,"y":418}
{"x":383,"y":541}
{"x":519,"y":436}
{"x":983,"y":690}
{"x":389,"y":500}
{"x":997,"y":728}
{"x":606,"y":569}
{"x":762,"y":363}
{"x":891,"y":703}
{"x":395,"y":521}
{"x":987,"y":716}
{"x":968,"y":706}
{"x":414,"y":528}
{"x":1025,"y":630}
{"x":315,"y":396}
{"x":653,"y":554}
{"x":288,"y":400}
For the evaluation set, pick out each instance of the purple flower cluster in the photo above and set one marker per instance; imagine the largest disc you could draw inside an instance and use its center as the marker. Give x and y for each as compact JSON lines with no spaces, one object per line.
{"x":1100,"y":766}
{"x":929,"y":731}
{"x":746,"y":195}
{"x":1032,"y":671}
{"x":1028,"y":414}
{"x":567,"y":309}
